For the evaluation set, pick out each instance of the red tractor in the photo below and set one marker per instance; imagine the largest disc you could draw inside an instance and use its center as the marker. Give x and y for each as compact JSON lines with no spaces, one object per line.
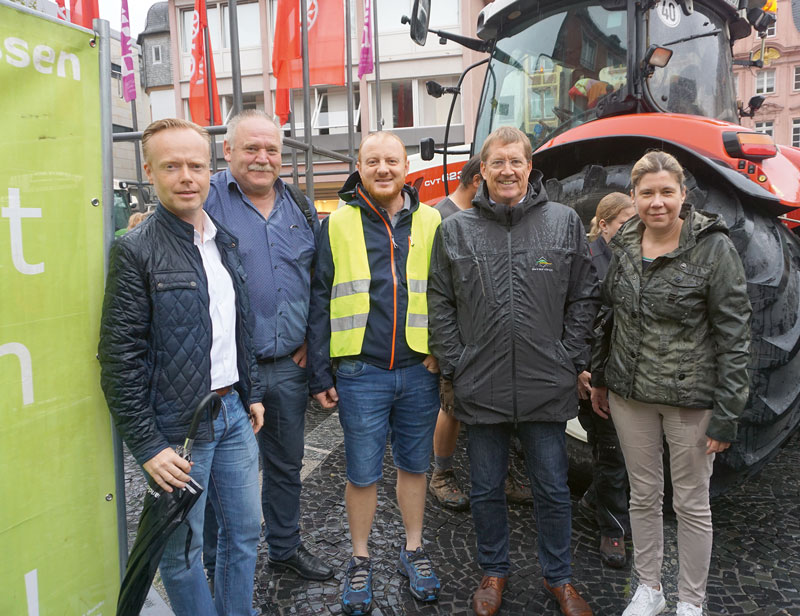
{"x":595,"y":85}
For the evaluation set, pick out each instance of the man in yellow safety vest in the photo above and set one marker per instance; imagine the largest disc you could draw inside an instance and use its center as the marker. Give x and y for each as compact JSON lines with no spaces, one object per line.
{"x":369,"y":316}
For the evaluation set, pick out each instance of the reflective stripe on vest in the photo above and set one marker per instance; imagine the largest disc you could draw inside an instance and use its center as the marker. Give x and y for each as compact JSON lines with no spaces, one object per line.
{"x":351,"y":279}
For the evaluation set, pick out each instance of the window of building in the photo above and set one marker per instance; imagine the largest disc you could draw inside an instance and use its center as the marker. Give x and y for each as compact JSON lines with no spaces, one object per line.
{"x":736,"y":85}
{"x":247,"y":17}
{"x":116,"y":71}
{"x":588,"y":52}
{"x":766,"y":127}
{"x":765,"y":82}
{"x":772,"y":30}
{"x":402,"y":104}
{"x":156,"y":54}
{"x":797,"y":77}
{"x":330,"y":110}
{"x":796,"y":132}
{"x":433,"y":111}
{"x":248,"y":23}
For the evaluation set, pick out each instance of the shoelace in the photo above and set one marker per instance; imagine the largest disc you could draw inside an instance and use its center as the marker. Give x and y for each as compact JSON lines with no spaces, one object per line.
{"x":358,"y":573}
{"x":488,"y":581}
{"x":421,"y":563}
{"x":569,"y":591}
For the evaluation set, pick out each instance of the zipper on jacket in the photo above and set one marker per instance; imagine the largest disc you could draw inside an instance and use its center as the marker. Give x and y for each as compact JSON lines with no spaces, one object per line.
{"x":392,"y":246}
{"x":513,"y":345}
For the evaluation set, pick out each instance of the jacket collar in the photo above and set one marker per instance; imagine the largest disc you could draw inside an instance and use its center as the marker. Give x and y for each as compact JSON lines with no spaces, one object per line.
{"x":696,"y":224}
{"x":511,"y":215}
{"x":185,"y":231}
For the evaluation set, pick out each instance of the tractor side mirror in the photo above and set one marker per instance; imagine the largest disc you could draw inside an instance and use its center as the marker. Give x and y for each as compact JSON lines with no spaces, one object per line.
{"x":426,"y":148}
{"x":420,"y":20}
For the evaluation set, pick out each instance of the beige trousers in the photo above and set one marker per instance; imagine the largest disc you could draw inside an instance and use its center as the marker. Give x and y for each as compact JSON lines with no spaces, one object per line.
{"x":640,"y":427}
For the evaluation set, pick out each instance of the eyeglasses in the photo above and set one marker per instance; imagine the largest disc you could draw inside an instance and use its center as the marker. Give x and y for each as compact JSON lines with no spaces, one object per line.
{"x":498,"y":164}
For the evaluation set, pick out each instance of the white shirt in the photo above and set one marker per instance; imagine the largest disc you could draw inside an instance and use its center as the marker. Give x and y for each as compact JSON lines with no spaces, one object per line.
{"x":221,"y":308}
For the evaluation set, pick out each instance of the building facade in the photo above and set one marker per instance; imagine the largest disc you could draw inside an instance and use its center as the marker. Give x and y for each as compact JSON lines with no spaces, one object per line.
{"x":778,"y":81}
{"x":405,"y":106}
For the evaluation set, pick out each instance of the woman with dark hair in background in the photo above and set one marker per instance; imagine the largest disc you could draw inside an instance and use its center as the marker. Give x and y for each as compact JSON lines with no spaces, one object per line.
{"x":608,"y":494}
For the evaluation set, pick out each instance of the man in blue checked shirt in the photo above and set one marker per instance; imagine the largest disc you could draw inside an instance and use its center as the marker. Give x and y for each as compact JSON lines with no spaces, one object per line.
{"x":276,"y":243}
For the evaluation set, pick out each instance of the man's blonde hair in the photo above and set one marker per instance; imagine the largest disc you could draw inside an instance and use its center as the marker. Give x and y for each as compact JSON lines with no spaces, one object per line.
{"x":166,"y":124}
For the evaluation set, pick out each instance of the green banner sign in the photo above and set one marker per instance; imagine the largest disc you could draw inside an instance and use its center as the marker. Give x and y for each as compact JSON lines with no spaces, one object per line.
{"x":58,"y":522}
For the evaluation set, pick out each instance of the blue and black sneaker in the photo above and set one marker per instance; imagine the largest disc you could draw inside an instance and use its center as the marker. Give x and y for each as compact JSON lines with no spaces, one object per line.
{"x":357,"y":588}
{"x":422,"y":581}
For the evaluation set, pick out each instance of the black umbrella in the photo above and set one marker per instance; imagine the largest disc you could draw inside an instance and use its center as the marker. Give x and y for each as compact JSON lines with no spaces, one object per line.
{"x":162,"y":513}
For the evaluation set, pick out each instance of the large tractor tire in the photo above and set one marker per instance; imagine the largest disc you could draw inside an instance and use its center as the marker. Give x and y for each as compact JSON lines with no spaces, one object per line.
{"x":771,"y":256}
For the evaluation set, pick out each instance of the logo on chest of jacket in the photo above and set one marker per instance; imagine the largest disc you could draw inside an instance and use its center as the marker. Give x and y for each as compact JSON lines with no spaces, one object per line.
{"x":542,"y":265}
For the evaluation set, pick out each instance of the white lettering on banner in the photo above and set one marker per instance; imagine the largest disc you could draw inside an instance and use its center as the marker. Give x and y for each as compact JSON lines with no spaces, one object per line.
{"x":43,"y":53}
{"x":32,"y":591}
{"x":26,"y":371}
{"x":453,"y":175}
{"x":15,"y":213}
{"x":44,"y":57}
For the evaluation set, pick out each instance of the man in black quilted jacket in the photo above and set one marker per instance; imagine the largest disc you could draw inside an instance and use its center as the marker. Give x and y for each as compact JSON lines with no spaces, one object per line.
{"x":175,"y":327}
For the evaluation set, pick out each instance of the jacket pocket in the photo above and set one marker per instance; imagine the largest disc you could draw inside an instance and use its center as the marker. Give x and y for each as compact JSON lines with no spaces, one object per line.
{"x":681,"y":291}
{"x":174,"y":295}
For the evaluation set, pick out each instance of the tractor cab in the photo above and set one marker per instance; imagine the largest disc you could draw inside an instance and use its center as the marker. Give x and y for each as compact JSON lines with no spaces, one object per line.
{"x":560,"y":64}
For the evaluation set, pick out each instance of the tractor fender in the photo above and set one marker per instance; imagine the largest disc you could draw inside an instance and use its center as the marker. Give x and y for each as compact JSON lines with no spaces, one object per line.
{"x":562,"y":160}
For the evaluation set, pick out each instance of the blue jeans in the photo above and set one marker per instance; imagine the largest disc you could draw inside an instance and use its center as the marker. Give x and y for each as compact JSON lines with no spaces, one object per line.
{"x":281,"y":443}
{"x":373,"y":400}
{"x":229,"y":464}
{"x":545,"y":449}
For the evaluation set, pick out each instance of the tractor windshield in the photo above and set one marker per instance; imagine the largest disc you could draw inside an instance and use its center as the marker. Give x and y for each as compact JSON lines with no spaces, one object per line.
{"x":550,"y":74}
{"x":697,"y":79}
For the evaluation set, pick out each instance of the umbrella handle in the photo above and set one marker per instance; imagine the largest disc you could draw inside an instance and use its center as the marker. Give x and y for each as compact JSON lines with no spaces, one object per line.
{"x":213,"y":402}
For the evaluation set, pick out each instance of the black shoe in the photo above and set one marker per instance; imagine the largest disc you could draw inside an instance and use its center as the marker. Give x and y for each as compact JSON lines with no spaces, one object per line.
{"x":304,"y":564}
{"x":612,"y":551}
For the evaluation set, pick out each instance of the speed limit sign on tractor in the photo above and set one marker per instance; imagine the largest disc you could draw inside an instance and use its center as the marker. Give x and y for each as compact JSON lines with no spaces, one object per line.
{"x":669,"y":13}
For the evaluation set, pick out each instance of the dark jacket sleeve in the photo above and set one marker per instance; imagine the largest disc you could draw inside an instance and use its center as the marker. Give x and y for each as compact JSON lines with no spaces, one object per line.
{"x":444,"y":337}
{"x":729,"y":313}
{"x":124,"y":375}
{"x":582,"y":302}
{"x":319,"y":316}
{"x":604,"y":325}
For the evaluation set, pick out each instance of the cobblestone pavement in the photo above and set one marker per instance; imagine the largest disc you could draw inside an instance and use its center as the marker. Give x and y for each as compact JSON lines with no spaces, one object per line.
{"x":755,"y":567}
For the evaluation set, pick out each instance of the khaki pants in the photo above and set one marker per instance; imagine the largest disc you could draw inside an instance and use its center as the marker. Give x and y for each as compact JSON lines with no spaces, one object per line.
{"x":640,"y":427}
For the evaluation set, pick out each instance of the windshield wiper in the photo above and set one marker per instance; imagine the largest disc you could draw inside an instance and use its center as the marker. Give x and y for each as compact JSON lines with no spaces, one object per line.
{"x":691,"y":38}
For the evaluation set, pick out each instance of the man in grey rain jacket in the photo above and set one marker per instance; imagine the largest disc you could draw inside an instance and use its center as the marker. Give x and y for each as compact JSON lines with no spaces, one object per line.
{"x":512,"y":297}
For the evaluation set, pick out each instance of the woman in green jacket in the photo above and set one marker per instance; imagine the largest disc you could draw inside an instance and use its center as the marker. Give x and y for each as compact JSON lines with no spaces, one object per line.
{"x":672,"y":364}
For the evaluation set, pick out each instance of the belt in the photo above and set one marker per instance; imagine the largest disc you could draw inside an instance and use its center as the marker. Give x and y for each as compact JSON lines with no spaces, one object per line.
{"x":223,"y":391}
{"x":272,"y":360}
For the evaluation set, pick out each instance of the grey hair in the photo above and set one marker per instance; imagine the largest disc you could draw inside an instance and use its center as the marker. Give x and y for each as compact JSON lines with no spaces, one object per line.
{"x":247,"y":114}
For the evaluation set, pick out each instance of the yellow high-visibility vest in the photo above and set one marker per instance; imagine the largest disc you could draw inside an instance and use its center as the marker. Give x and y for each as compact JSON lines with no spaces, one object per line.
{"x":351,"y":279}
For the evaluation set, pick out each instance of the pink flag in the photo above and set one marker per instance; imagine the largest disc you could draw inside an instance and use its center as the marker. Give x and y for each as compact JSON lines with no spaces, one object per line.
{"x":128,"y":76}
{"x":366,"y":64}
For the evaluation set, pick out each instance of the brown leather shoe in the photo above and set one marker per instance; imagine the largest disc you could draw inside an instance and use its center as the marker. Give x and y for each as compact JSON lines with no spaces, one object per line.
{"x":571,"y":603}
{"x":489,"y":595}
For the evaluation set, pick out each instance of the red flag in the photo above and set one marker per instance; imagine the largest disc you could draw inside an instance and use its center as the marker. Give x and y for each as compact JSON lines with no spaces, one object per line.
{"x":325,"y":45}
{"x":62,"y":10}
{"x":201,"y":71}
{"x":325,"y":48}
{"x":82,"y":12}
{"x":286,"y":48}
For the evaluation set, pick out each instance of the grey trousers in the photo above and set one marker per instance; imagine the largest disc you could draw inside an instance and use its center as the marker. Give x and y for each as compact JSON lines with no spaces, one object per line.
{"x":640,"y":427}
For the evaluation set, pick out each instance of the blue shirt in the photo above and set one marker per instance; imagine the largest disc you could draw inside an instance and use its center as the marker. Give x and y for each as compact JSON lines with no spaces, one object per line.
{"x":276,"y":254}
